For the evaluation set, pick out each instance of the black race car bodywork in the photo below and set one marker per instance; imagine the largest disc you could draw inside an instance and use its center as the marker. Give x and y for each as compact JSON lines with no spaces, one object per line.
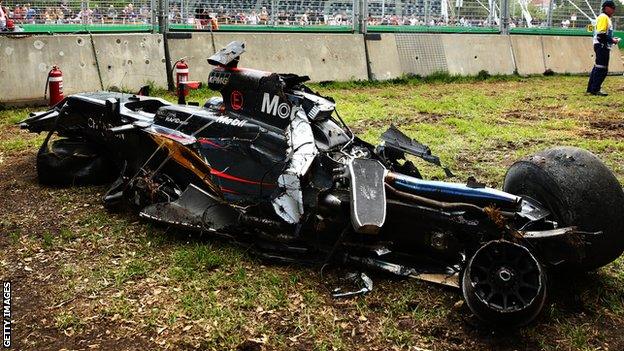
{"x":271,"y":165}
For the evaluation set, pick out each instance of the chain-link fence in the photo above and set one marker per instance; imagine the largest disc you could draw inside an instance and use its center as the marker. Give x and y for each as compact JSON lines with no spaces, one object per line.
{"x":349,"y":14}
{"x":262,"y":12}
{"x":464,"y":13}
{"x":571,"y":14}
{"x":79,"y":12}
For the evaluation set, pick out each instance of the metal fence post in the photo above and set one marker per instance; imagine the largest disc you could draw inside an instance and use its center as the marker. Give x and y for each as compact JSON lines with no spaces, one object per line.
{"x":154,"y":8}
{"x":163,"y":17}
{"x":549,"y":19}
{"x":364,"y":16}
{"x":359,"y":16}
{"x":355,"y":18}
{"x":273,"y":14}
{"x":426,"y":12}
{"x":504,"y":17}
{"x":163,"y":28}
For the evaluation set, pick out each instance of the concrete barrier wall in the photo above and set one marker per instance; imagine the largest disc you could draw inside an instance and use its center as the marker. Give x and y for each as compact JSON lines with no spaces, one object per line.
{"x":528,"y":54}
{"x":383,"y":57}
{"x":131,"y":60}
{"x":465,"y":54}
{"x":469,"y":54}
{"x":125,"y":61}
{"x":421,"y":54}
{"x":25,"y":63}
{"x":322,"y":57}
{"x":568,"y":54}
{"x":575,"y":55}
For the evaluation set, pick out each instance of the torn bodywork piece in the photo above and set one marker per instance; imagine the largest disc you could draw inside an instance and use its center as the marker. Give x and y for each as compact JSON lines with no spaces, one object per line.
{"x":271,"y":165}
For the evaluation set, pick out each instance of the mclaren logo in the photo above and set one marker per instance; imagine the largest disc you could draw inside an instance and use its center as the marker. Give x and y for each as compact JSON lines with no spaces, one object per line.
{"x":272,"y":106}
{"x":234,"y":122}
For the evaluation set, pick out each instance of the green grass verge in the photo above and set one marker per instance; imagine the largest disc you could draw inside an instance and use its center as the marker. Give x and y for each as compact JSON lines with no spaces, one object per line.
{"x":186,"y":291}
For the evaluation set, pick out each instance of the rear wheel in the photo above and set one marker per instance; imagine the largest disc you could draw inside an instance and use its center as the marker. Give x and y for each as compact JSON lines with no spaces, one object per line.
{"x":579,"y":190}
{"x":504,"y":284}
{"x":72,"y":162}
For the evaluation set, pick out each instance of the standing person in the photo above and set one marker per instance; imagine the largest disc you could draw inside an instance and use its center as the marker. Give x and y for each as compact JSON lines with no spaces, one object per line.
{"x":10,"y":26}
{"x":3,"y":17}
{"x":603,"y":40}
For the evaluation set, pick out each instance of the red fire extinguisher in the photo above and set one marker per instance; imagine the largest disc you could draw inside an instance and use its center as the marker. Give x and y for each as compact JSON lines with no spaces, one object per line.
{"x":55,"y":84}
{"x":182,"y":73}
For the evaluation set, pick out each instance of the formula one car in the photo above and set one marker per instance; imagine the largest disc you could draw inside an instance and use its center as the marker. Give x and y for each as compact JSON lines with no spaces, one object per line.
{"x":271,"y":165}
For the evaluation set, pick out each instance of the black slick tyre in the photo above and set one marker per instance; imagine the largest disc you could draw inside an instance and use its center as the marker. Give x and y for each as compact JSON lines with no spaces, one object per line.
{"x":72,"y":162}
{"x":579,"y":190}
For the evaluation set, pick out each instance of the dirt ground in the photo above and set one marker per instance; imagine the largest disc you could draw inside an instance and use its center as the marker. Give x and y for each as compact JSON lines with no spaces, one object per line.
{"x":87,"y":279}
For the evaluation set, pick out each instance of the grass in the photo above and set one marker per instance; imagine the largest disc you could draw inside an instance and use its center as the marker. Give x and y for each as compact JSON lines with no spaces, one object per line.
{"x":177,"y":290}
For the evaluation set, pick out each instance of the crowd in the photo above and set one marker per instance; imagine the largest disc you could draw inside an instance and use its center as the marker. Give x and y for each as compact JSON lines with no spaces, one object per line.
{"x":202,"y":17}
{"x":64,"y":14}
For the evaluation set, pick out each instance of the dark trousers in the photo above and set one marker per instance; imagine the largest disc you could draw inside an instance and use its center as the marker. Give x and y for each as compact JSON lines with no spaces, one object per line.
{"x":599,"y":72}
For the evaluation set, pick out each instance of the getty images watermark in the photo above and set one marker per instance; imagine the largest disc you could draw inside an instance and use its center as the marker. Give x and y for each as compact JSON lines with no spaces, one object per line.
{"x":6,"y":314}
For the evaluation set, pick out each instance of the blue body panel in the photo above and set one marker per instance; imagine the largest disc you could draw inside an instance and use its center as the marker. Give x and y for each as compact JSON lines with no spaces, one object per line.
{"x":455,"y":192}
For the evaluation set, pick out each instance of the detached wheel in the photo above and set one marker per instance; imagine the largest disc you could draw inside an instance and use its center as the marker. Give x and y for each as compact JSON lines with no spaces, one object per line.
{"x":579,"y":190}
{"x":72,"y":162}
{"x":504,"y":284}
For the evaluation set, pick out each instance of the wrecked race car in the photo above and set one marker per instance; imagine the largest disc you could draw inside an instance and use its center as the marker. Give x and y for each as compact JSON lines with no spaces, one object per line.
{"x":272,"y":166}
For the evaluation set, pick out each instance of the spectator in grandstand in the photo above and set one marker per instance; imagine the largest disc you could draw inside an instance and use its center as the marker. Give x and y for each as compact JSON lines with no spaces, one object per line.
{"x":202,"y":17}
{"x":18,"y":13}
{"x":174,"y":15}
{"x":253,"y":19}
{"x":97,"y":15}
{"x":10,"y":26}
{"x":45,"y":16}
{"x":64,"y":7}
{"x":303,"y":20}
{"x":60,"y":16}
{"x":144,"y":13}
{"x":314,"y":17}
{"x":337,"y":21}
{"x":282,"y":18}
{"x":372,"y":21}
{"x":3,"y":16}
{"x":264,"y":16}
{"x":86,"y":16}
{"x":240,"y":17}
{"x":111,"y":15}
{"x":29,"y":14}
{"x":603,"y":40}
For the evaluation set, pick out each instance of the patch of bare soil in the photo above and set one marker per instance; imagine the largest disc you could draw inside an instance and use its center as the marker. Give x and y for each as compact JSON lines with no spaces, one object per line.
{"x":605,"y":128}
{"x":526,"y":115}
{"x":29,"y":215}
{"x":435,"y":319}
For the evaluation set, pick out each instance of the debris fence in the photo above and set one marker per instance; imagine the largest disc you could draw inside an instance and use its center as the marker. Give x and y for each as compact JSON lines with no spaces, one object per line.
{"x":356,"y":15}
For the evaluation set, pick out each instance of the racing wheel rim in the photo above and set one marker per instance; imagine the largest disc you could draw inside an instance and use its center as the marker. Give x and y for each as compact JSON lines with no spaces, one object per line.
{"x":504,"y":283}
